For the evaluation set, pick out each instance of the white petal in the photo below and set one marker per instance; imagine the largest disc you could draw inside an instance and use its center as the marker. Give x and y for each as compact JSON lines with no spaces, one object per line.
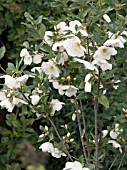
{"x":35,"y":99}
{"x":104,"y":133}
{"x":106,"y":18}
{"x":2,"y":96}
{"x":88,"y":87}
{"x":73,"y":116}
{"x":37,"y":58}
{"x":113,"y":135}
{"x":88,"y":76}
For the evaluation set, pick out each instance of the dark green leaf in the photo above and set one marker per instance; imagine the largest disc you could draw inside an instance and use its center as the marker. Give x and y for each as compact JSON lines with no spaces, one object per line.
{"x":103,"y":100}
{"x":2,"y":51}
{"x":82,"y":95}
{"x":41,"y":31}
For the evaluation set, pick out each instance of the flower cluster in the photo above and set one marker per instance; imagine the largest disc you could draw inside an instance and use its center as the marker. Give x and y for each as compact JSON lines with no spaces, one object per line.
{"x":70,"y":67}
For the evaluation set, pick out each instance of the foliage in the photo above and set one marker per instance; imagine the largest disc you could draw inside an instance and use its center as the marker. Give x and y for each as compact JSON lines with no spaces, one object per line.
{"x":78,"y":98}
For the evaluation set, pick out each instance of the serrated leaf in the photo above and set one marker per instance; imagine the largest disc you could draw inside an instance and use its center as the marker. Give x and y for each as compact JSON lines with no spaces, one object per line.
{"x":41,"y":31}
{"x":2,"y":51}
{"x":103,"y":100}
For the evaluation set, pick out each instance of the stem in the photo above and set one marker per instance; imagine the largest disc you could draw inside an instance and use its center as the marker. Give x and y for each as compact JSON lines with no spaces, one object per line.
{"x":96,"y":123}
{"x":113,"y":162}
{"x":121,"y":160}
{"x":80,"y":131}
{"x":3,"y":69}
{"x":84,"y":125}
{"x":100,"y":15}
{"x":61,"y":140}
{"x":96,"y":133}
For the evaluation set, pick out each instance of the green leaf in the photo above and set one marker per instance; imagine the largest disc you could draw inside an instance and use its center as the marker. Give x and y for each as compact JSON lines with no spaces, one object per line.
{"x":81,"y":159}
{"x":90,"y":166}
{"x":41,"y":31}
{"x":103,"y":100}
{"x":28,"y":17}
{"x":2,"y":51}
{"x":110,"y":74}
{"x":82,"y":95}
{"x":39,"y":20}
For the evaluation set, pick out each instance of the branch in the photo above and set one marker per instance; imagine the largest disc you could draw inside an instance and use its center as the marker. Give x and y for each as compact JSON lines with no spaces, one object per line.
{"x":61,"y":140}
{"x":121,"y":160}
{"x":80,"y":131}
{"x":96,"y":133}
{"x":84,"y":125}
{"x":113,"y":162}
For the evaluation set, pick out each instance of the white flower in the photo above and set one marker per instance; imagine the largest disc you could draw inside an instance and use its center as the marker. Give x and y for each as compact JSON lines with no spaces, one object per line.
{"x":27,"y":57}
{"x":73,"y":24}
{"x":57,"y":153}
{"x":47,"y":38}
{"x":115,"y":40}
{"x":39,"y":69}
{"x":11,"y":82}
{"x":114,"y":43}
{"x":104,"y":52}
{"x":61,"y":27}
{"x":16,"y":82}
{"x":115,"y":145}
{"x":7,"y":104}
{"x":73,"y":116}
{"x":47,"y":147}
{"x":16,"y":101}
{"x":35,"y":99}
{"x":22,"y":79}
{"x":37,"y":58}
{"x":63,"y":58}
{"x":114,"y":133}
{"x":106,"y":18}
{"x":56,"y":105}
{"x":70,"y":90}
{"x":58,"y":46}
{"x":73,"y":47}
{"x":72,"y":27}
{"x":103,"y":64}
{"x":50,"y":68}
{"x":74,"y":166}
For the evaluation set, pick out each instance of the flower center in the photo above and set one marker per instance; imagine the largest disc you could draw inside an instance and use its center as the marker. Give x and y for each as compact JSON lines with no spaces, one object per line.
{"x":104,"y":50}
{"x":50,"y":68}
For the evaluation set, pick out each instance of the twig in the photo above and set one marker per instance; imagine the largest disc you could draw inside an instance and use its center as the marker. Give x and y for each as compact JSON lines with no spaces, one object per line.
{"x":3,"y":69}
{"x":121,"y":160}
{"x":100,"y":15}
{"x":80,"y":131}
{"x":96,"y":133}
{"x":61,"y":140}
{"x":113,"y":162}
{"x":84,"y":125}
